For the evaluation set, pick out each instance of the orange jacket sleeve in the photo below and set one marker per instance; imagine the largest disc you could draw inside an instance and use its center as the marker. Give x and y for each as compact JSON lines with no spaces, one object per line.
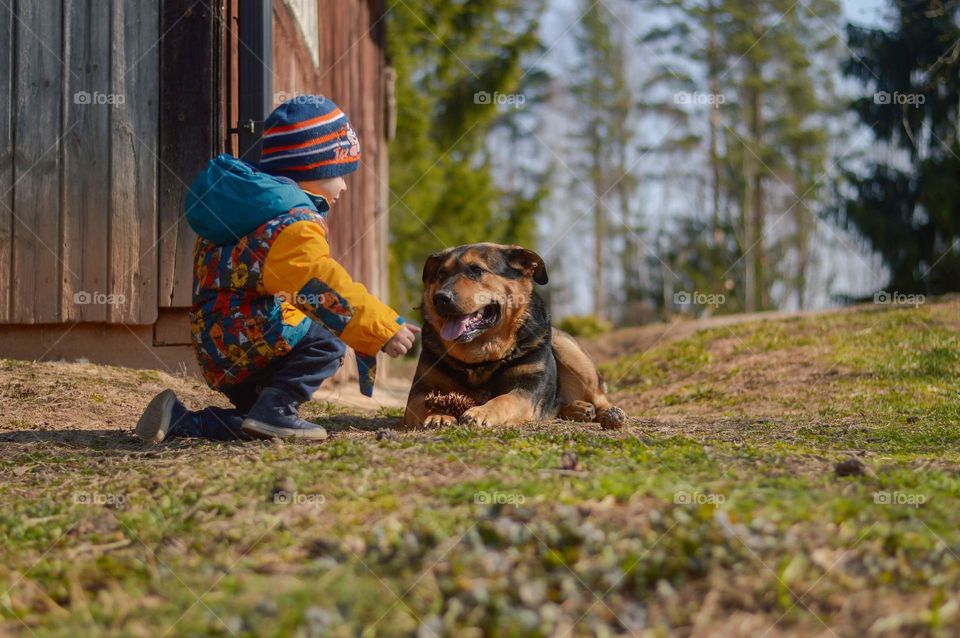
{"x":299,"y":267}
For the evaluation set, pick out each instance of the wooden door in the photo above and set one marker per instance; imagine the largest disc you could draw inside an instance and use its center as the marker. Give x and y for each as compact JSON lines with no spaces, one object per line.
{"x":191,"y":114}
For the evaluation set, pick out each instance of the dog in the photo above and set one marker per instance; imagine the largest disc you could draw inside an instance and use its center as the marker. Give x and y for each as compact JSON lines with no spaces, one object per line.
{"x":487,"y":337}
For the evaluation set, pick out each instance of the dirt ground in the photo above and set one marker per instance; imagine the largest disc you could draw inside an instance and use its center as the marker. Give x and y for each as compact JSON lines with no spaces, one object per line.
{"x":718,"y":510}
{"x":47,"y":395}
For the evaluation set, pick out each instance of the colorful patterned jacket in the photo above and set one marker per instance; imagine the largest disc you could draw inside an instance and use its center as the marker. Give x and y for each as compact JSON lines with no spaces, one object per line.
{"x":263,"y":272}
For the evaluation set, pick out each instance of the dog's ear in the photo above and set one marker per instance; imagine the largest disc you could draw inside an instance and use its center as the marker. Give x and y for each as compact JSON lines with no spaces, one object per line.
{"x":431,"y":266}
{"x":528,"y":262}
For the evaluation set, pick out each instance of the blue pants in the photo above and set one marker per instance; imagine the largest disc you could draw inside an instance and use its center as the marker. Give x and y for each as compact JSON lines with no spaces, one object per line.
{"x":317,"y":356}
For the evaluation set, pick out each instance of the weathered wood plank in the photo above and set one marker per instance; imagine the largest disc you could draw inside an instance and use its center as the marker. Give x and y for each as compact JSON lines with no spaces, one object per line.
{"x":187,"y":133}
{"x":144,"y":21}
{"x":338,"y":32}
{"x":369,"y":105}
{"x":36,"y":230}
{"x":6,"y":156}
{"x":382,"y":106}
{"x":133,"y":138}
{"x":86,"y":160}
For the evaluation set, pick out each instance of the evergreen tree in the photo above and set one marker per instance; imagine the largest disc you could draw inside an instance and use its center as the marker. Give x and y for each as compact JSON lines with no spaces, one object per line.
{"x":453,"y":61}
{"x":784,"y":97}
{"x":767,"y":65}
{"x":605,"y":102}
{"x":906,"y":202}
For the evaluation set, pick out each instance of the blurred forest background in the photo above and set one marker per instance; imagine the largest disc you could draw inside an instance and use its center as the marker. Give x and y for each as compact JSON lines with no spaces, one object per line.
{"x":682,"y":156}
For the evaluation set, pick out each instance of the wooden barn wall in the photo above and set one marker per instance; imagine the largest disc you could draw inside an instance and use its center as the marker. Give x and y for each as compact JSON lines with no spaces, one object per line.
{"x":350,"y":72}
{"x":78,"y":166}
{"x":79,"y":182}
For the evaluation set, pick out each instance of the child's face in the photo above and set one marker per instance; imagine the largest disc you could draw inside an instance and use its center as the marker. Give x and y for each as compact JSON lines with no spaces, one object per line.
{"x":329,"y":188}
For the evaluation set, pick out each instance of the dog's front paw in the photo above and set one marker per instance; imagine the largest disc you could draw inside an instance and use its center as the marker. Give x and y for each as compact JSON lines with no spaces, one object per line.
{"x":580,"y":411}
{"x":438,"y":420}
{"x":479,"y":416}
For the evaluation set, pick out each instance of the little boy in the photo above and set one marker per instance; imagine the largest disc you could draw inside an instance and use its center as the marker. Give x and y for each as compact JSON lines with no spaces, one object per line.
{"x":271,"y":308}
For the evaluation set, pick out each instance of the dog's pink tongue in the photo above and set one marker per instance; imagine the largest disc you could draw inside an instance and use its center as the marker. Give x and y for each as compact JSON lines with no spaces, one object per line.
{"x":455,"y":327}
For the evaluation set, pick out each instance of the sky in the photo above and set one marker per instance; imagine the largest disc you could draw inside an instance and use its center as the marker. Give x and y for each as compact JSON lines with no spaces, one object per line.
{"x":866,"y":12}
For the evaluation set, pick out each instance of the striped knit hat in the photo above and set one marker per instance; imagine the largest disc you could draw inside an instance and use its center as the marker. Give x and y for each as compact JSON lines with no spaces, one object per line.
{"x":308,"y":137}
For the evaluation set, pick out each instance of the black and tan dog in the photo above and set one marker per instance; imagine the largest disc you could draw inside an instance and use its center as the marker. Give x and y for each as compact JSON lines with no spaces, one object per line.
{"x":487,"y":336}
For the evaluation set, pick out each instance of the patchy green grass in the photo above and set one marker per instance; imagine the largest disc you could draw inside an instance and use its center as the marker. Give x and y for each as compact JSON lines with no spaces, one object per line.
{"x":718,"y":511}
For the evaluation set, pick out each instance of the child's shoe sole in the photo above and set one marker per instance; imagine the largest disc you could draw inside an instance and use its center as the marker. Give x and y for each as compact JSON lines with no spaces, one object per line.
{"x":261,"y":430}
{"x":154,"y":423}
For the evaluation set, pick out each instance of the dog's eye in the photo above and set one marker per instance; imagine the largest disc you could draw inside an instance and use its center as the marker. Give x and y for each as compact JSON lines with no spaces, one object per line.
{"x":475,"y":270}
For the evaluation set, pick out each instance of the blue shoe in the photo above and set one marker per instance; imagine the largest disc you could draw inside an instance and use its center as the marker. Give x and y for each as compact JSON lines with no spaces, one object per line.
{"x":163,"y":414}
{"x":275,"y":415}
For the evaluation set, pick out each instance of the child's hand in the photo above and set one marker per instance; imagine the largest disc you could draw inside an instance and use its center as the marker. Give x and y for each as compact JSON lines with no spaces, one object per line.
{"x":401,"y":342}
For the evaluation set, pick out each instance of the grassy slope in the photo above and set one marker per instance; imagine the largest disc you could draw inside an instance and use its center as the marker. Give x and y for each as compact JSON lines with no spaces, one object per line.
{"x":718,"y":512}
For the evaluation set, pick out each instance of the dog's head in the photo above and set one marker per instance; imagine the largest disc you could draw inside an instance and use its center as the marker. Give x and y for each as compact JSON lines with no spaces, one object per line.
{"x":479,"y":293}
